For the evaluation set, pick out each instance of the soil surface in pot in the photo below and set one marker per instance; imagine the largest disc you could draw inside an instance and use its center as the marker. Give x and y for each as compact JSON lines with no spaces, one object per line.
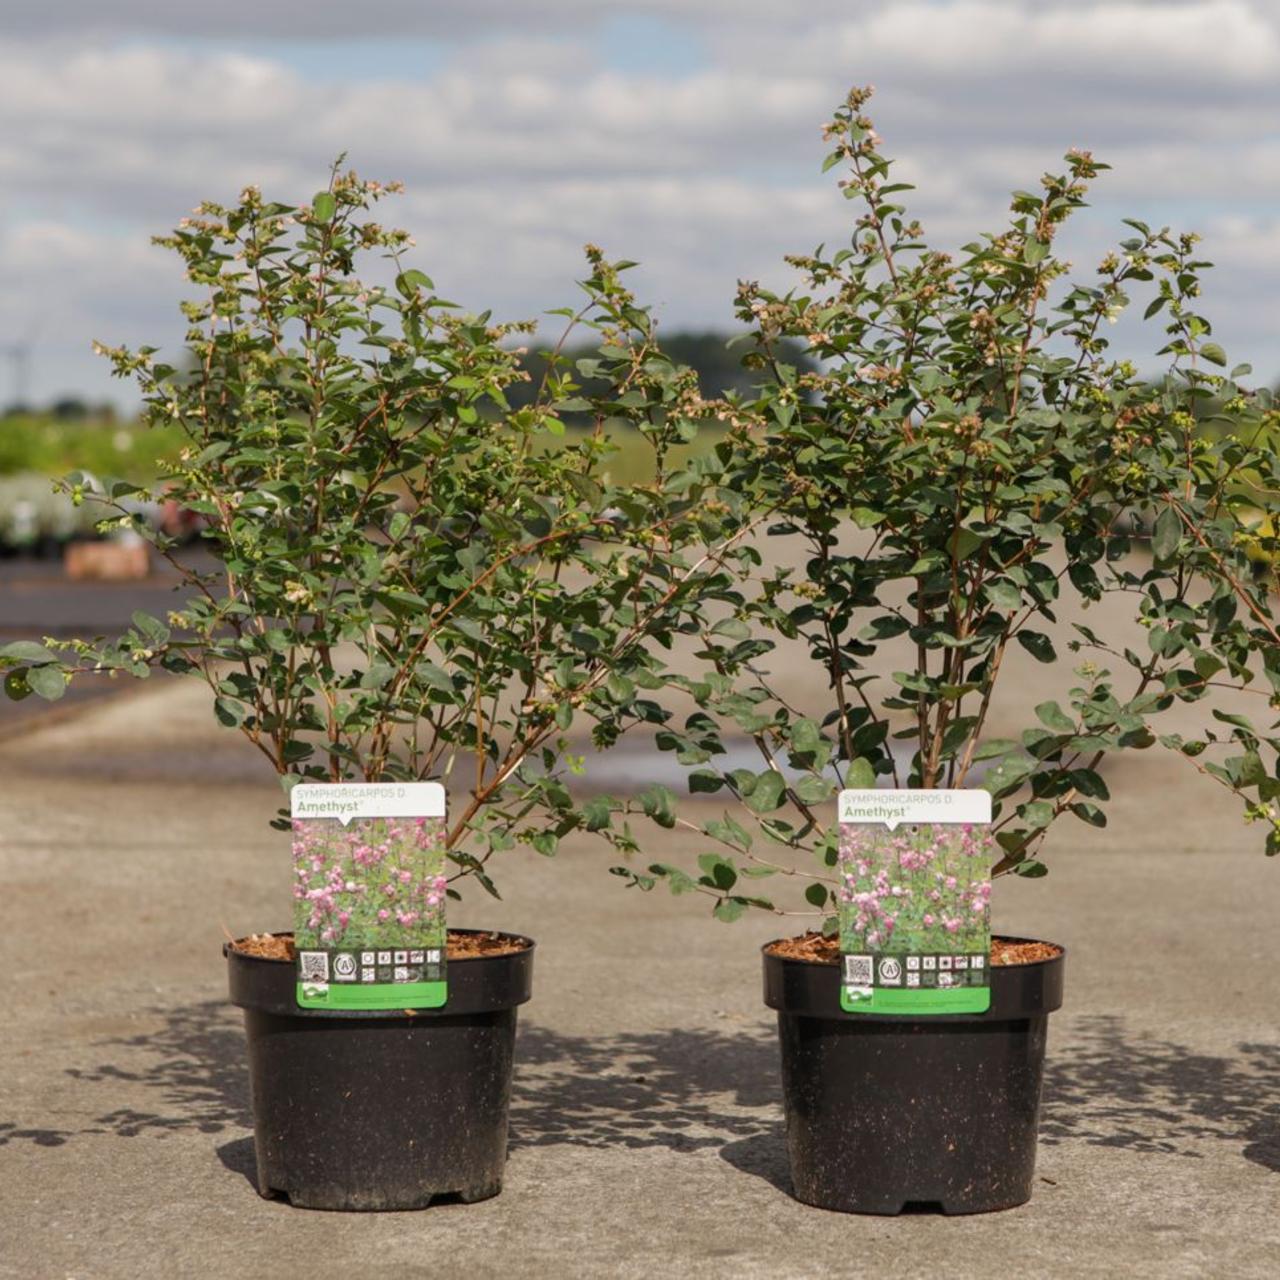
{"x":460,"y":946}
{"x":815,"y":948}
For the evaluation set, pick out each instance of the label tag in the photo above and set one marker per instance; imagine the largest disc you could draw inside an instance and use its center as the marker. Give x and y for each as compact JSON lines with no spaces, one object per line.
{"x":915,"y":901}
{"x":369,"y":894}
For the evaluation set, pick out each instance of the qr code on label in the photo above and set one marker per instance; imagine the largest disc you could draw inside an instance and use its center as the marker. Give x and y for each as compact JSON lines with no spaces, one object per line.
{"x":858,"y":971}
{"x":315,"y":966}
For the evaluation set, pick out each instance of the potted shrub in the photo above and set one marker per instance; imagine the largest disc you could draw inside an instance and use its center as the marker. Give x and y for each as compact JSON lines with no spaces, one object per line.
{"x":398,"y":578}
{"x":970,"y":474}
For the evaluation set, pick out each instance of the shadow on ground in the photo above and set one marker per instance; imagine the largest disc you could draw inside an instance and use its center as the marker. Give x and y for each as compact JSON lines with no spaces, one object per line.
{"x":689,"y":1090}
{"x":190,"y":1073}
{"x":1111,"y":1088}
{"x":685,"y":1090}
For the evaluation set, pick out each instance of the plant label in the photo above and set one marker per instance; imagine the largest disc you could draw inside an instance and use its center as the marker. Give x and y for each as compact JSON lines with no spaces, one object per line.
{"x":369,"y":894}
{"x":915,"y":901}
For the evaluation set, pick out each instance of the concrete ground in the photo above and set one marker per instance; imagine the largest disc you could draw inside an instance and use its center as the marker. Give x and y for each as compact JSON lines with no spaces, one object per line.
{"x":646,"y":1130}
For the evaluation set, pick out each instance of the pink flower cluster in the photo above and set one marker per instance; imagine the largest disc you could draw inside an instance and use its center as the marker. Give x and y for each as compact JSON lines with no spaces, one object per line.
{"x":924,"y":888}
{"x":377,"y":882}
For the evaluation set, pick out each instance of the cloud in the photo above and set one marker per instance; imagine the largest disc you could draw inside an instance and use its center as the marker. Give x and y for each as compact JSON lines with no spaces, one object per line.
{"x":523,"y":139}
{"x":318,"y":20}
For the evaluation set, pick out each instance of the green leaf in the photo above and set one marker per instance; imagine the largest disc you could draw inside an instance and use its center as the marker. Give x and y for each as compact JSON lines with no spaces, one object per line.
{"x":1032,"y":869}
{"x":1034,"y":251}
{"x":729,"y":909}
{"x":26,"y":651}
{"x":816,"y":895}
{"x":434,"y":676}
{"x":1037,"y":814}
{"x":964,"y":543}
{"x":152,"y":628}
{"x":659,"y":803}
{"x":814,"y":790}
{"x":705,"y":780}
{"x":46,"y":682}
{"x":865,"y":517}
{"x":721,"y":873}
{"x":620,"y":688}
{"x":728,"y":831}
{"x":677,"y":880}
{"x":1214,"y":354}
{"x":323,"y":206}
{"x":861,"y":776}
{"x":597,"y":813}
{"x":229,"y":712}
{"x":16,"y":686}
{"x":1038,"y":645}
{"x":409,"y":282}
{"x":378,"y":676}
{"x":806,"y":737}
{"x":545,"y":843}
{"x":1231,"y":717}
{"x":1003,"y":594}
{"x":1166,"y":535}
{"x":1089,"y":782}
{"x":733,"y":628}
{"x":1089,"y":813}
{"x":1053,"y":717}
{"x":767,"y":794}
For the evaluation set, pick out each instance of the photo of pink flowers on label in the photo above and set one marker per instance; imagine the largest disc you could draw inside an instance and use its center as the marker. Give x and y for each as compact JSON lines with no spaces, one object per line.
{"x":369,"y":893}
{"x":918,"y":889}
{"x":377,"y":882}
{"x":915,"y":901}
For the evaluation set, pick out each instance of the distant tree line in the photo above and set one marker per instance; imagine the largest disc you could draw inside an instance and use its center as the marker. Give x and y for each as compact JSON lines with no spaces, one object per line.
{"x":717,"y":364}
{"x":63,"y":409}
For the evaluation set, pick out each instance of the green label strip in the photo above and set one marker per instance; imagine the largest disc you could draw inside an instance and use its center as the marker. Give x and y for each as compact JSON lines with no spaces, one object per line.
{"x":916,"y":1000}
{"x":374,"y":995}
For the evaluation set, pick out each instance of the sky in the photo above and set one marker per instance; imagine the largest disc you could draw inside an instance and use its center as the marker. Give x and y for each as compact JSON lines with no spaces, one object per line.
{"x":685,"y":134}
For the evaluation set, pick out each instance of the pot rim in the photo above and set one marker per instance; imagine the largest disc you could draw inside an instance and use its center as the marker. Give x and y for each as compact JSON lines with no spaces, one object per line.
{"x":1003,"y":937}
{"x":530,"y":945}
{"x":811,"y":989}
{"x":267,"y":986}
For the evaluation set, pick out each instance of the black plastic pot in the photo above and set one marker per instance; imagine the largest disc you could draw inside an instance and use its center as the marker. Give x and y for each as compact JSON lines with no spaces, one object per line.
{"x":381,"y":1109}
{"x":886,"y":1112}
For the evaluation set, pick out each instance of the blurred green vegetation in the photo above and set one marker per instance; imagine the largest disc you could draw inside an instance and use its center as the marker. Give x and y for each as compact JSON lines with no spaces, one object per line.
{"x":33,"y":445}
{"x":71,"y":436}
{"x":42,"y":444}
{"x":633,"y":459}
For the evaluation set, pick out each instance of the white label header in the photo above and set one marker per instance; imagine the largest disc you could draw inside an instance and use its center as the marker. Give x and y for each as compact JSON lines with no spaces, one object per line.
{"x":348,"y":800}
{"x":893,"y":807}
